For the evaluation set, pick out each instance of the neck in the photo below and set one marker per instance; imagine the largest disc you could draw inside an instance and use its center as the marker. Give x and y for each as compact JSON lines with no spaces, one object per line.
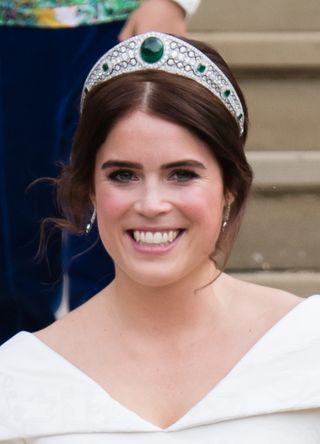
{"x":171,"y":310}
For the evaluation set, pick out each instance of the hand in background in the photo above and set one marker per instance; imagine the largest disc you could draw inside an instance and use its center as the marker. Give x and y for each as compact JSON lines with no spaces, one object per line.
{"x":155,"y":15}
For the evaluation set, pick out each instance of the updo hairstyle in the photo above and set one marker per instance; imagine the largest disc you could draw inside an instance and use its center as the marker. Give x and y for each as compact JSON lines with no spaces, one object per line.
{"x":173,"y":98}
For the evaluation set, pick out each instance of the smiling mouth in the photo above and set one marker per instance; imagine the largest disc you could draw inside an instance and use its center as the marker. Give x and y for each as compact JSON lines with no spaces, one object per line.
{"x":158,"y":238}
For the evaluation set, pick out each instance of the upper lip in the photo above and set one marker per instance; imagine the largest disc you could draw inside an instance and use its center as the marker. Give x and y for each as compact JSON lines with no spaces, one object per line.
{"x":155,"y":229}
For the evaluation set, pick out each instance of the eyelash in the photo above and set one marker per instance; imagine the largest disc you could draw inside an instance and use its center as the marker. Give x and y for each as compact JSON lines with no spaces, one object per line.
{"x":115,"y":176}
{"x":188,"y":175}
{"x":118,"y":176}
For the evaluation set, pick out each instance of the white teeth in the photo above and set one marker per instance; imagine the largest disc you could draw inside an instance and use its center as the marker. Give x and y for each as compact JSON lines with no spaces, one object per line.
{"x":148,"y":238}
{"x":156,"y":238}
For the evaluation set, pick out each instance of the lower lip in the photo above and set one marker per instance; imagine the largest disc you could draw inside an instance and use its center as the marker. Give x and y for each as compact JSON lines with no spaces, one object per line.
{"x":154,"y":249}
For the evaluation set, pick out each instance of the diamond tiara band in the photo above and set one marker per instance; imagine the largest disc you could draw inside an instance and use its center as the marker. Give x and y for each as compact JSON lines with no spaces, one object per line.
{"x":163,"y":52}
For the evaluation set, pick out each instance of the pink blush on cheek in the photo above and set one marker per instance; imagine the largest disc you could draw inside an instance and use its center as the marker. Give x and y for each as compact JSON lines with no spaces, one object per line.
{"x":111,"y":203}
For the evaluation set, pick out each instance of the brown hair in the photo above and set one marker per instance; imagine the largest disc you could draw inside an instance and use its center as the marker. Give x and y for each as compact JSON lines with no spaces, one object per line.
{"x":173,"y":98}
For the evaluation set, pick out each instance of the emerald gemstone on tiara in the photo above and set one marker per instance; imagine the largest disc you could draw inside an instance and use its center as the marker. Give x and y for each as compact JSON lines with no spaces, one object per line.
{"x":105,"y":67}
{"x":201,"y":68}
{"x":151,"y":50}
{"x":226,"y":92}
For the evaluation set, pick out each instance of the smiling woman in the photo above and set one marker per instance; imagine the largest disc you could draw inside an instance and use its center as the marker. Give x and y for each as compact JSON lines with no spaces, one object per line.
{"x":174,"y":99}
{"x":159,"y":202}
{"x":173,"y":350}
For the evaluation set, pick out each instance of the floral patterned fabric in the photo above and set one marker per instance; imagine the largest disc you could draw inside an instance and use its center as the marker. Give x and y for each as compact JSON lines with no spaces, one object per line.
{"x":64,"y":13}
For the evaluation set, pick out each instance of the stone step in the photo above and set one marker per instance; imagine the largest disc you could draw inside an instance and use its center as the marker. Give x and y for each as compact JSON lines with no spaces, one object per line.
{"x":280,"y":76}
{"x":266,"y":50}
{"x":274,"y":50}
{"x":284,"y":112}
{"x":258,"y":15}
{"x":280,"y":231}
{"x":300,"y":283}
{"x":278,"y":171}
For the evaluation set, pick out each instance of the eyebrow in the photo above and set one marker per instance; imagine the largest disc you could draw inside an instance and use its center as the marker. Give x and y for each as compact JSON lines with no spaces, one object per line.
{"x":125,"y":164}
{"x":120,"y":164}
{"x":183,"y":163}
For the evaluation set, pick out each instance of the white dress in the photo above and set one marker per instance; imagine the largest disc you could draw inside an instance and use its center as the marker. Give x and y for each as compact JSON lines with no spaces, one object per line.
{"x":272,"y":396}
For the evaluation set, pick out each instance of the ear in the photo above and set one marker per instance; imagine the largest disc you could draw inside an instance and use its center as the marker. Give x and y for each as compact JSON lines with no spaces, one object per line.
{"x":92,"y":197}
{"x":228,"y":198}
{"x":92,"y":193}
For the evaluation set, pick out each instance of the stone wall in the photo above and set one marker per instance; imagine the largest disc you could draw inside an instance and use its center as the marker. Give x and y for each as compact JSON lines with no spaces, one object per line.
{"x":274,"y":49}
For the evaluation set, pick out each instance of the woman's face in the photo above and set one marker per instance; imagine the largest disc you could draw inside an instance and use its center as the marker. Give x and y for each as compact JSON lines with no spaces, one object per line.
{"x":159,"y":198}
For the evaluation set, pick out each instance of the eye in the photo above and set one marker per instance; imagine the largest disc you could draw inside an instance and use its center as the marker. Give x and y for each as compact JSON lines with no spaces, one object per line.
{"x":122,"y":176}
{"x":183,"y":175}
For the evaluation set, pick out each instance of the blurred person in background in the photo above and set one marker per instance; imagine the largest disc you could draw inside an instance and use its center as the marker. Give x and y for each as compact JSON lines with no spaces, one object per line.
{"x":46,"y":49}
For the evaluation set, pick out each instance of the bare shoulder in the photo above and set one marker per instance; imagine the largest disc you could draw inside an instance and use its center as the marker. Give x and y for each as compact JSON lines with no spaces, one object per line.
{"x":271,"y":295}
{"x":71,"y":330}
{"x":268,"y":303}
{"x":62,"y":334}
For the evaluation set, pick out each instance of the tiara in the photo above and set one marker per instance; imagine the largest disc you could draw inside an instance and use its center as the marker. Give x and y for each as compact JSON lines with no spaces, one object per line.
{"x":163,"y":52}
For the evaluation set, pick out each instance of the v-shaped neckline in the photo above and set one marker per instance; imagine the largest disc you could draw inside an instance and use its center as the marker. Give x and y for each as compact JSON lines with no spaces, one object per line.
{"x":263,"y":340}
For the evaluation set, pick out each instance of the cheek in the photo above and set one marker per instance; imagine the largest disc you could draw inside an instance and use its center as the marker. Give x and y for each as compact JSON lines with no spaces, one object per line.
{"x":110,"y":204}
{"x":202,"y":206}
{"x":111,"y":208}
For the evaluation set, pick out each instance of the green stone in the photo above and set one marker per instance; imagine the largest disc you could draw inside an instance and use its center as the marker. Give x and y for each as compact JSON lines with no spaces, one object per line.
{"x":240,"y":116}
{"x":105,"y":67}
{"x":151,"y":50}
{"x":201,"y":68}
{"x":226,"y":92}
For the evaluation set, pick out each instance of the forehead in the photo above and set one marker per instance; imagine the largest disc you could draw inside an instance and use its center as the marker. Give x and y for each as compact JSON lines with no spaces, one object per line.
{"x":149,"y":138}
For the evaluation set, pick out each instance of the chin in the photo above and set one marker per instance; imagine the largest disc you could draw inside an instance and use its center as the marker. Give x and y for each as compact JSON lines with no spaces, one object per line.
{"x":160,"y":276}
{"x":153,"y":276}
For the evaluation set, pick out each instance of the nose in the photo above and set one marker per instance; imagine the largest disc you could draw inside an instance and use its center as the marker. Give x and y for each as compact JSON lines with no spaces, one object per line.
{"x":152,"y":201}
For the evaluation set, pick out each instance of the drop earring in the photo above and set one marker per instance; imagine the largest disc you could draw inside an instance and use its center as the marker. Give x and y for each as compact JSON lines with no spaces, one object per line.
{"x":92,"y":220}
{"x":226,"y":216}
